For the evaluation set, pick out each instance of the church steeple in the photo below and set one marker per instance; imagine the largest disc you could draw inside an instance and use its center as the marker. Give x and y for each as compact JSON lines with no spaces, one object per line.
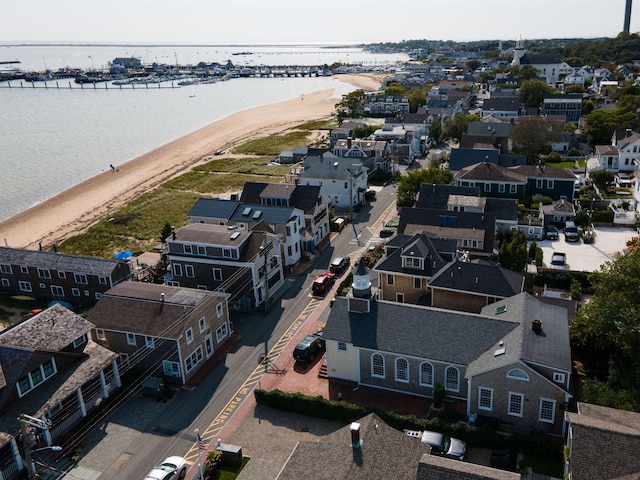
{"x":518,"y":51}
{"x":360,"y":297}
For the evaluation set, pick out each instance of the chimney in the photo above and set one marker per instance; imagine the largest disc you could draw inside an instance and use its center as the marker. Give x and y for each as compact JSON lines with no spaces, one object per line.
{"x":536,"y":325}
{"x":162,"y":297}
{"x":348,"y":142}
{"x":356,"y":442}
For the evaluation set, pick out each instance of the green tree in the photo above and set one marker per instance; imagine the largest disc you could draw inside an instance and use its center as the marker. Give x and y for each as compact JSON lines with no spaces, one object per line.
{"x":167,"y":229}
{"x":601,"y":124}
{"x":531,"y":136}
{"x":455,"y":127}
{"x":609,"y":322}
{"x":349,"y":105}
{"x":512,"y":250}
{"x":417,"y":98}
{"x":601,"y":178}
{"x":410,"y":184}
{"x":395,"y":89}
{"x":575,"y":88}
{"x":528,"y":72}
{"x":435,"y":130}
{"x":532,"y":92}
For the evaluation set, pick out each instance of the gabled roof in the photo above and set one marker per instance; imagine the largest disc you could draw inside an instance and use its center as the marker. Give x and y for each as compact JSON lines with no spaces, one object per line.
{"x":596,"y":429}
{"x":518,"y":174}
{"x":501,"y":104}
{"x":58,"y":261}
{"x":419,"y":245}
{"x":478,"y":278}
{"x":550,"y":347}
{"x":145,"y":312}
{"x":463,"y":157}
{"x":436,"y":196}
{"x":383,"y":454}
{"x":304,"y":197}
{"x":559,"y":206}
{"x":609,"y":150}
{"x":541,"y":59}
{"x":421,"y":332}
{"x":435,"y":467}
{"x":328,"y":166}
{"x":213,"y":208}
{"x":52,"y":330}
{"x":489,"y":128}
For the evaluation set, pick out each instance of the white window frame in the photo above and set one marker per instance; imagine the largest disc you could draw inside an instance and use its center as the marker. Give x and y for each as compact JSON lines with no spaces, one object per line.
{"x":518,"y":374}
{"x":100,"y":335}
{"x":170,"y":368}
{"x":428,"y":375}
{"x":188,"y":335}
{"x":208,"y":346}
{"x":176,"y":269}
{"x":75,"y":292}
{"x":80,"y":341}
{"x":62,"y":274}
{"x":131,"y":339}
{"x":192,"y":360}
{"x":5,"y":282}
{"x":219,"y":310}
{"x":402,"y":370}
{"x":417,"y":283}
{"x":377,"y":366}
{"x":512,"y":412}
{"x":44,"y":273}
{"x":547,"y":405}
{"x":513,"y":188}
{"x":149,"y":342}
{"x":24,"y":286}
{"x":57,"y":291}
{"x":558,"y":377}
{"x":390,"y":279}
{"x":80,"y":278}
{"x":102,"y":280}
{"x":221,"y":332}
{"x":487,"y":187}
{"x":539,"y":182}
{"x":485,"y":399}
{"x":447,"y":384}
{"x":202,"y":324}
{"x":6,"y":269}
{"x":217,"y":274}
{"x":188,"y":271}
{"x":202,"y":250}
{"x":187,"y":248}
{"x":502,"y":188}
{"x":24,"y":269}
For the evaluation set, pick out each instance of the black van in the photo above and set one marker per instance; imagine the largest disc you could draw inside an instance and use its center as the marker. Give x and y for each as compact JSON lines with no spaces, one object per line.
{"x":571,"y":233}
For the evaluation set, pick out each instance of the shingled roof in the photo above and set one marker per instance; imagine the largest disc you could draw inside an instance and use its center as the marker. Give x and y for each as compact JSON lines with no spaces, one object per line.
{"x":477,"y":277}
{"x":58,"y":261}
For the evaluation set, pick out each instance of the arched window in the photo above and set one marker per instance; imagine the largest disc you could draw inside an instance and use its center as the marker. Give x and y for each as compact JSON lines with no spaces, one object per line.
{"x":377,"y":365}
{"x":402,"y":370}
{"x":518,"y":374}
{"x":426,"y":374}
{"x":452,"y":379}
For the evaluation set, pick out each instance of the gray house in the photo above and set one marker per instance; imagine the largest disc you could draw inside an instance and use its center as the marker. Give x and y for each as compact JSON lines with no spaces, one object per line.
{"x":489,"y":364}
{"x":76,"y":279}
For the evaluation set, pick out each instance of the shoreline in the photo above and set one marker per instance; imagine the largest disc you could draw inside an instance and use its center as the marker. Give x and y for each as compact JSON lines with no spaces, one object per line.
{"x":76,"y":209}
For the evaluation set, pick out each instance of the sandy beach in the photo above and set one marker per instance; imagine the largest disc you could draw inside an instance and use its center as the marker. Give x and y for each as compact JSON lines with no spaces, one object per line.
{"x":76,"y":209}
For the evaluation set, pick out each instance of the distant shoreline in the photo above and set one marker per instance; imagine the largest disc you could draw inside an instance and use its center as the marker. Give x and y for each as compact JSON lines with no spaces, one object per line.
{"x":76,"y":209}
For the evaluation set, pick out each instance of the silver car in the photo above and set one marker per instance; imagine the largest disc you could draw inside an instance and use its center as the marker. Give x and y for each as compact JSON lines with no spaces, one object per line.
{"x":441,"y":444}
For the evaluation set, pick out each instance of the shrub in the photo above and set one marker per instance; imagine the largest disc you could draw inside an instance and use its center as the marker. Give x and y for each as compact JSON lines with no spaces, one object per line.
{"x":438,"y":394}
{"x":603,"y":216}
{"x":212,"y":464}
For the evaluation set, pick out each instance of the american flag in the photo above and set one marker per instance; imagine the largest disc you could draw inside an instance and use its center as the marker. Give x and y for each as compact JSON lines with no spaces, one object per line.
{"x":201,"y":444}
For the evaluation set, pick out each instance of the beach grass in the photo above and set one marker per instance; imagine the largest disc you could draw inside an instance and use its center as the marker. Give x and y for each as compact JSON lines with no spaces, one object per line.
{"x":136,"y":226}
{"x":274,"y":144}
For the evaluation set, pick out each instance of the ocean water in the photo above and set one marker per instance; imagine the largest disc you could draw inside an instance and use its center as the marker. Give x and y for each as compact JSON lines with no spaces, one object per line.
{"x":51,"y":140}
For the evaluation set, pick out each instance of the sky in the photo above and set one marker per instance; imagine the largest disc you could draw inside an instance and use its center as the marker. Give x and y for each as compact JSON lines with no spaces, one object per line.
{"x":269,"y":22}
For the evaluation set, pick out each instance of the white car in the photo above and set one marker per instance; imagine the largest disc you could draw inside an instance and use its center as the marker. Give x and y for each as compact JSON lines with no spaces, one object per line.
{"x":558,"y":260}
{"x":173,"y":468}
{"x":441,"y":444}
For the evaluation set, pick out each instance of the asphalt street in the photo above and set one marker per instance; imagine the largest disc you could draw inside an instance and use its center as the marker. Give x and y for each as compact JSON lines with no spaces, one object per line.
{"x":144,"y":431}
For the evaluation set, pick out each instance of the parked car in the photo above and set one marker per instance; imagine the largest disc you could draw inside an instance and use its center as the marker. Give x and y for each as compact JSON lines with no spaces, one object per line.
{"x":308,"y":348}
{"x":173,"y":468}
{"x":571,"y":233}
{"x":441,"y":444}
{"x":552,"y":233}
{"x":558,"y":260}
{"x":323,"y":282}
{"x":339,"y":265}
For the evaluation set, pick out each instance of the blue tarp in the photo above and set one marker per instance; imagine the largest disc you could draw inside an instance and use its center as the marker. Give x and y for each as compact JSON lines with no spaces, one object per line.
{"x":123,"y":255}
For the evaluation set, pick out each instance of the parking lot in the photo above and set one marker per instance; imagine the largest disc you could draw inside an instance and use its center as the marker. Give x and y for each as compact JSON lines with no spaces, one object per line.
{"x":588,"y":257}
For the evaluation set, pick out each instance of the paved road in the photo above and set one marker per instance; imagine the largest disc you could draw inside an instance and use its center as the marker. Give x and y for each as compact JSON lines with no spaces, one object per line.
{"x":144,"y":431}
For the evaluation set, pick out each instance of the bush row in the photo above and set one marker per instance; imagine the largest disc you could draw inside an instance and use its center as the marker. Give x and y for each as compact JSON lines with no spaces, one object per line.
{"x":562,"y":280}
{"x":346,"y":413}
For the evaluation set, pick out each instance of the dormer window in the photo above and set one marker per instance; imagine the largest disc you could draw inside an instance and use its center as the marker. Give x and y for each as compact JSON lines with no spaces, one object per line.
{"x":36,"y":377}
{"x":412,"y":262}
{"x":79,"y":341}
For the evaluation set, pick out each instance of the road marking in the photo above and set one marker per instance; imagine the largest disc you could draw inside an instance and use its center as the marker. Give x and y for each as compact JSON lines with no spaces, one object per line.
{"x":211,"y":432}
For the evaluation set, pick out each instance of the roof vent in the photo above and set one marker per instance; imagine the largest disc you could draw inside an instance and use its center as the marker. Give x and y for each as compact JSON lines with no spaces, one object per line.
{"x":536,"y":325}
{"x":234,"y":235}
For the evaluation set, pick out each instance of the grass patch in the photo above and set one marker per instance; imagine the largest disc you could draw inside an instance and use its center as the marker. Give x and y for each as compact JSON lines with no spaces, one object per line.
{"x":318,"y":125}
{"x":568,"y":165}
{"x":249,"y":166}
{"x":230,"y":472}
{"x":274,"y":144}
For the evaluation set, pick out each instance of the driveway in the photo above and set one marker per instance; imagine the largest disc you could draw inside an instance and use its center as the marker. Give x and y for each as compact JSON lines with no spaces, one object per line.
{"x":609,"y":241}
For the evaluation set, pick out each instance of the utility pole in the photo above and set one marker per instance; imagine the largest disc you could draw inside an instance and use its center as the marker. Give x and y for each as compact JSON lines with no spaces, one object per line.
{"x":29,"y":438}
